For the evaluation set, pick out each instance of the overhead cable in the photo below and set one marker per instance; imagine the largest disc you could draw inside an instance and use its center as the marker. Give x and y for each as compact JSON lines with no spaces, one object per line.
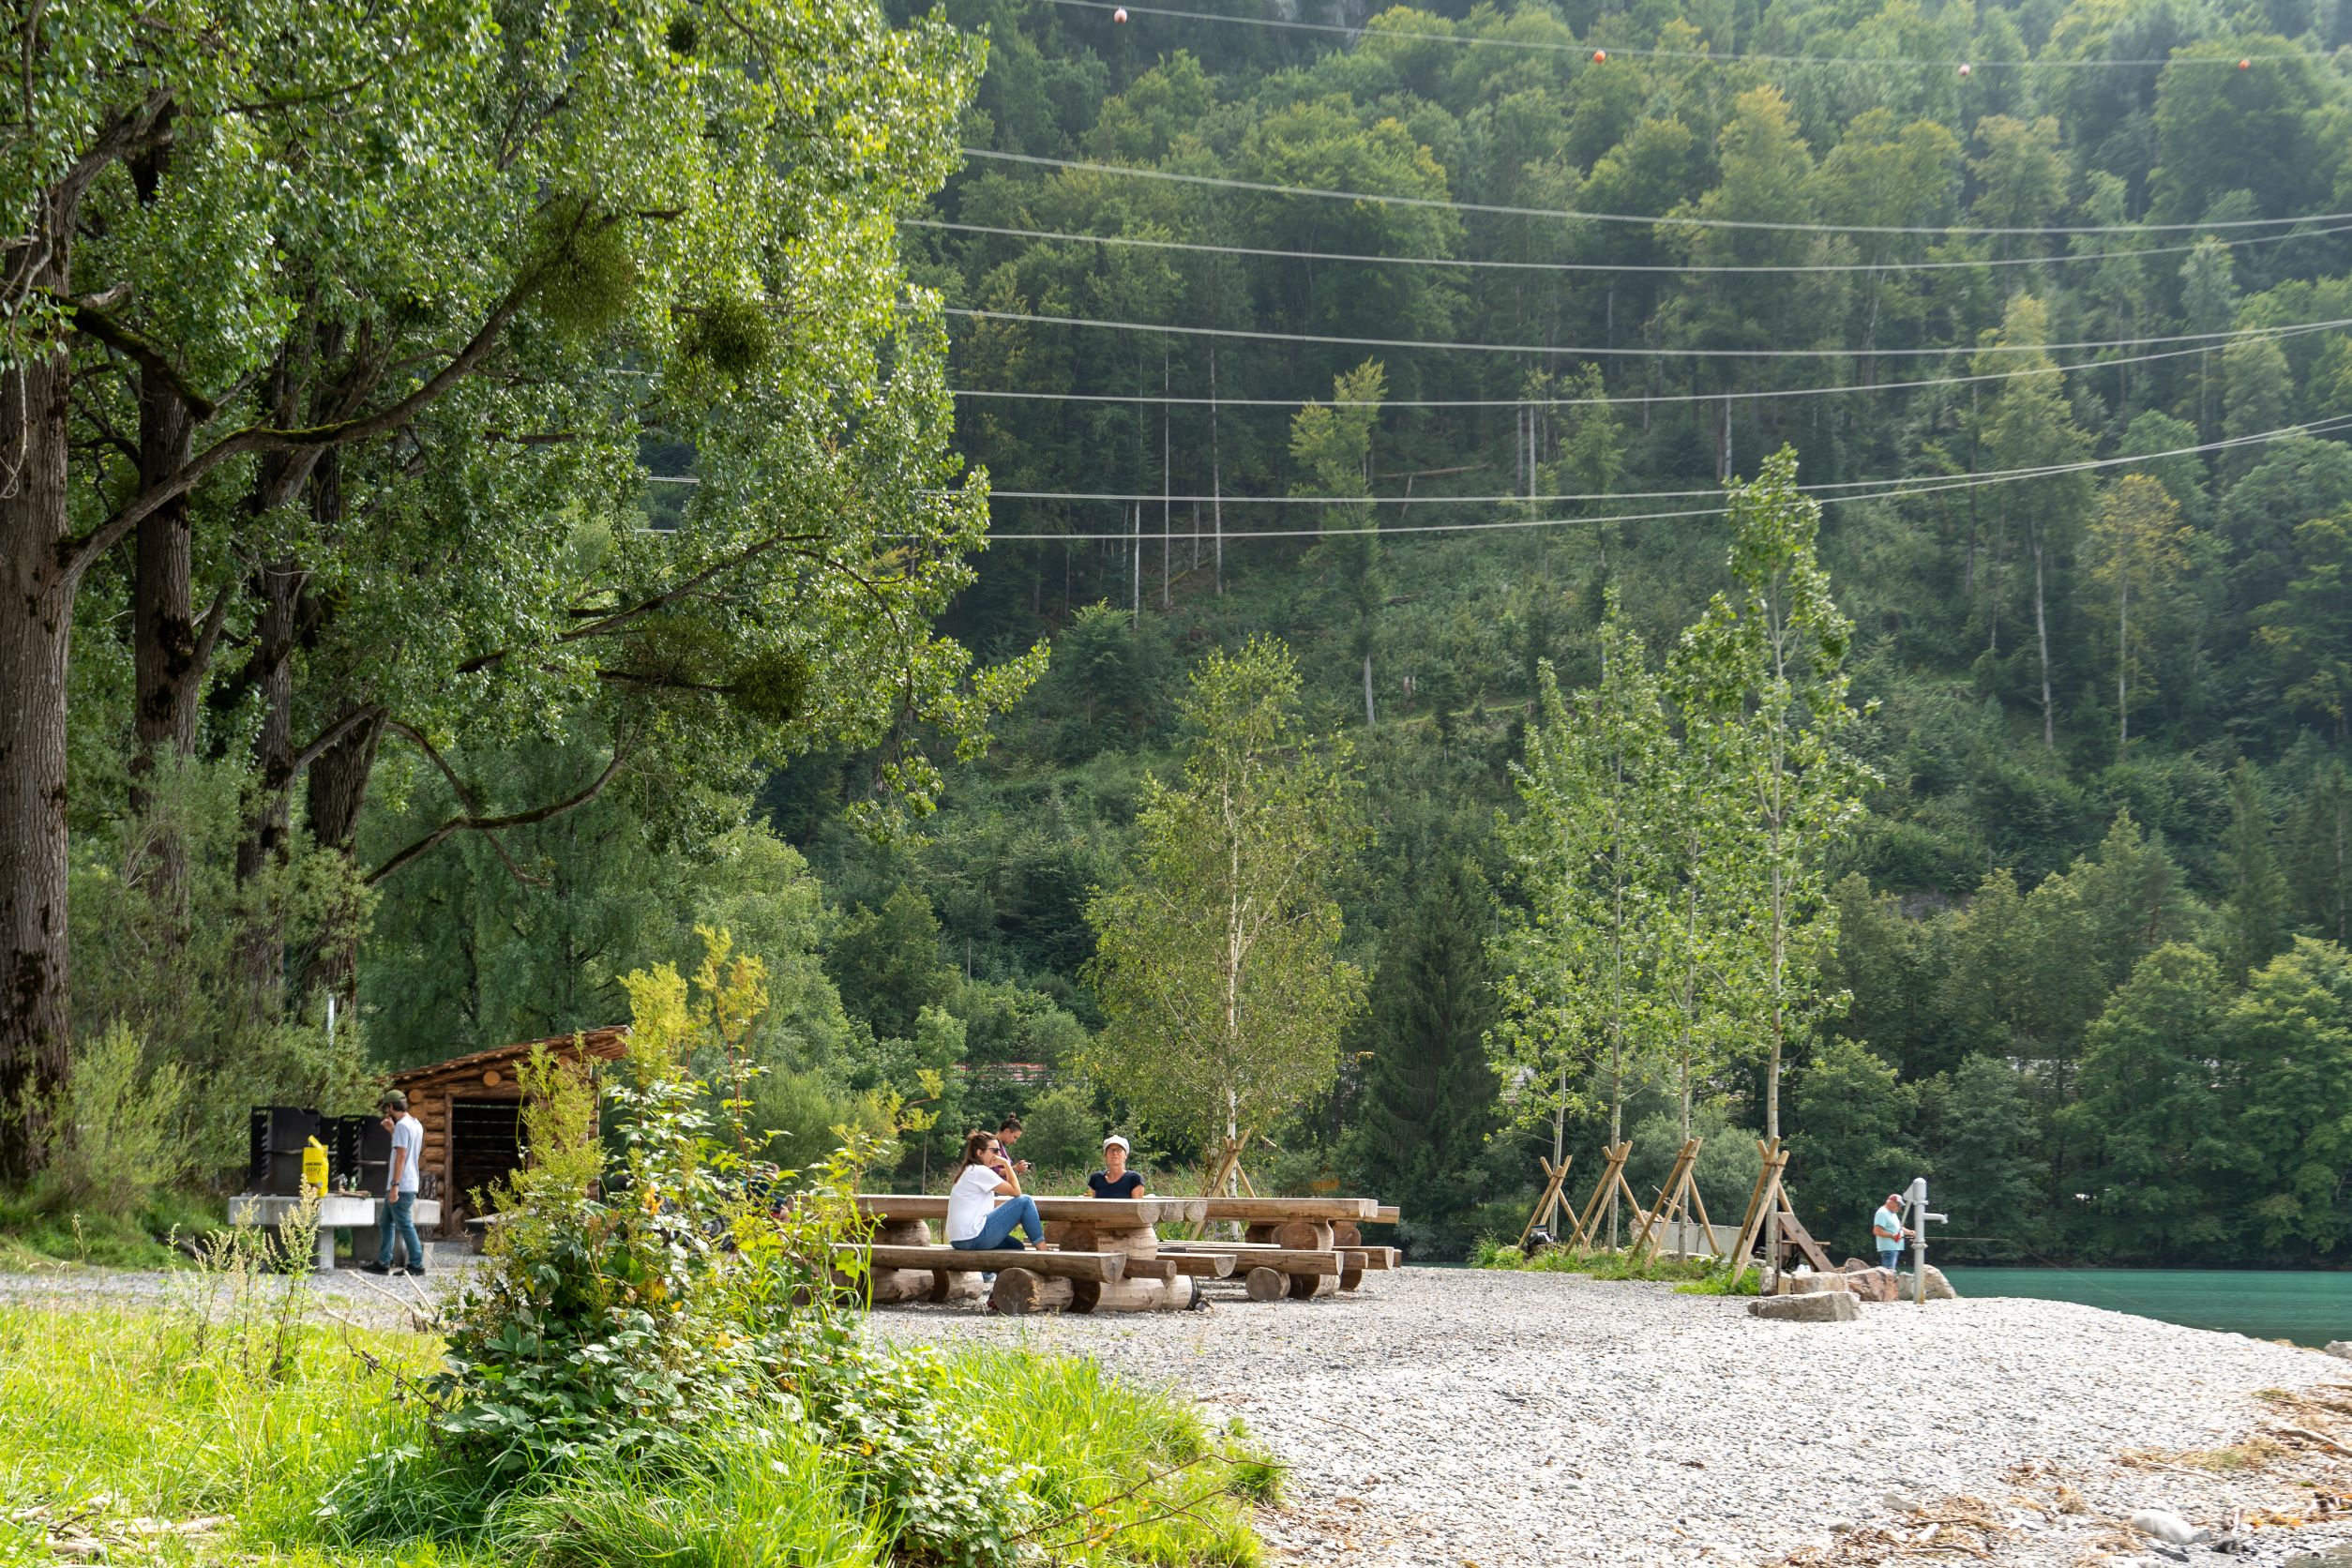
{"x":1900,"y":490}
{"x":1933,"y":481}
{"x":1670,"y":221}
{"x":1632,"y":400}
{"x":1702,"y":56}
{"x":1481,"y":264}
{"x":1580,"y":351}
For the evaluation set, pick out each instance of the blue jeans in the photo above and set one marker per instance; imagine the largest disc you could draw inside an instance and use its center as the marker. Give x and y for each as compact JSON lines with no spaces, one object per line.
{"x":399,"y":1223}
{"x":1890,"y":1260}
{"x":998,"y":1231}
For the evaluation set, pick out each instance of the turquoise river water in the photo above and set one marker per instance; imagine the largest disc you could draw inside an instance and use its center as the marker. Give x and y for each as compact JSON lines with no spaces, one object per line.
{"x":2309,"y":1307}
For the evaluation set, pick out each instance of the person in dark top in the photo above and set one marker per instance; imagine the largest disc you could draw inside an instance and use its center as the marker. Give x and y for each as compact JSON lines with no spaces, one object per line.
{"x":1114,"y":1180}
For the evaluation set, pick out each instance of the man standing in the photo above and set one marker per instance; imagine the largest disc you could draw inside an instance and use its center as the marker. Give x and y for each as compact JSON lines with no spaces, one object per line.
{"x":1886,"y":1226}
{"x":400,"y":1186}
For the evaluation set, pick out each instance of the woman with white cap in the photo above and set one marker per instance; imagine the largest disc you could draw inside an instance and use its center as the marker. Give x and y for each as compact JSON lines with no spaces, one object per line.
{"x":1114,"y":1180}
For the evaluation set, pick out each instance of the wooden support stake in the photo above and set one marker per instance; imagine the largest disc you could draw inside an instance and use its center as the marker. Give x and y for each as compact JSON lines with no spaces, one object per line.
{"x":1760,"y":1199}
{"x":1549,"y":1203}
{"x":1673,"y":1196}
{"x":1604,"y":1194}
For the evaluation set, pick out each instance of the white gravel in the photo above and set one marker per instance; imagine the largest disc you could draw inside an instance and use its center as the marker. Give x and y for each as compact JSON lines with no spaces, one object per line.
{"x":1480,"y":1418}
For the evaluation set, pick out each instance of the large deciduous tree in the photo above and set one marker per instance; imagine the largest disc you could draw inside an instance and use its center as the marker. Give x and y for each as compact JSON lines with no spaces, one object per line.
{"x":349,"y":322}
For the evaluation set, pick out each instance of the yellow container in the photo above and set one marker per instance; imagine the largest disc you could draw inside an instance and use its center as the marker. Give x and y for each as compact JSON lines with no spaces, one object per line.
{"x":313,"y":1166}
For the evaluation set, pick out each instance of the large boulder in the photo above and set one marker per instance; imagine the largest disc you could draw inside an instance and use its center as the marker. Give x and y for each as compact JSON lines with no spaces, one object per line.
{"x":1939,"y":1287}
{"x":2341,"y":1348}
{"x":1820,"y":1306}
{"x":1813,"y":1284}
{"x":1872,"y":1284}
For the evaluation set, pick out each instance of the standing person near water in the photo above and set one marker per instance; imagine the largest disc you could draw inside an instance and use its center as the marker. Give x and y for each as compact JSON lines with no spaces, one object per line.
{"x":1114,"y":1180}
{"x":976,"y":1222}
{"x":1887,"y":1229}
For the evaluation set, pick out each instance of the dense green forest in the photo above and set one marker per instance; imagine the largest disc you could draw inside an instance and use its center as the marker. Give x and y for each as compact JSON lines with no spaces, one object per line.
{"x":2058,"y":341}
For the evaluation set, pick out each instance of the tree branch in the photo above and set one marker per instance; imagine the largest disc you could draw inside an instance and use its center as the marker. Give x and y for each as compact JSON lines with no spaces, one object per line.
{"x":619,"y":618}
{"x":97,"y":325}
{"x":468,"y":823}
{"x":77,"y":556}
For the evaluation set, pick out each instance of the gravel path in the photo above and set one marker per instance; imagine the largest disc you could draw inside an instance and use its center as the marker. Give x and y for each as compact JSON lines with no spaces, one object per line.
{"x":371,"y":1300}
{"x":1473,"y":1418}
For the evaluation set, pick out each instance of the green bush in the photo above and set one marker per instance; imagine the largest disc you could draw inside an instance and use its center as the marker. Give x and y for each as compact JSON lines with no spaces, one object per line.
{"x":115,"y":1136}
{"x":1062,"y":1131}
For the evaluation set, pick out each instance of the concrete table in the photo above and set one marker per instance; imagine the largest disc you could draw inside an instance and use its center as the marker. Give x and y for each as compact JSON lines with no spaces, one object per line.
{"x":356,"y":1213}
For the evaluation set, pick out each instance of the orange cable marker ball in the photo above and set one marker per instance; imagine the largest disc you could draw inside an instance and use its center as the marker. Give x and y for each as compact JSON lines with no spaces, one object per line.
{"x":1120,"y":15}
{"x":2243,"y":64}
{"x":1600,"y":55}
{"x":1964,"y":67}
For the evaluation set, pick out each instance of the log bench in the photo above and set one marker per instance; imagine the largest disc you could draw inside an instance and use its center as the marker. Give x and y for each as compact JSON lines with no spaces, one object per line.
{"x":1298,"y":1230}
{"x":1144,"y":1278}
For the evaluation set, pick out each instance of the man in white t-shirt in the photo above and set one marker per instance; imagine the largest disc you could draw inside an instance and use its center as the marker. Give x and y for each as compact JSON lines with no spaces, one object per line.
{"x":975,"y":1220}
{"x":400,"y":1186}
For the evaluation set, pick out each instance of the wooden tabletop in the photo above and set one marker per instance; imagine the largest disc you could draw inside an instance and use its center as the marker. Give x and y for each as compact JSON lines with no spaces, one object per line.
{"x":1117,"y":1212}
{"x":1272,"y":1210}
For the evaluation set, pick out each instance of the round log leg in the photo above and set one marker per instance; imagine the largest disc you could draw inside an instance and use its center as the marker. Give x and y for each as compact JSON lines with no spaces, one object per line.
{"x":1350,"y":1278}
{"x":1267,"y":1285}
{"x":942,"y":1283}
{"x":1016,"y":1293}
{"x":1084,"y":1295}
{"x":1345,"y":1233}
{"x":1306,"y":1287}
{"x":1303,"y":1235}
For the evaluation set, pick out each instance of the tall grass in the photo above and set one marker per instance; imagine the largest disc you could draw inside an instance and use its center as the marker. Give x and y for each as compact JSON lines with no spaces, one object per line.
{"x":330,"y":1462}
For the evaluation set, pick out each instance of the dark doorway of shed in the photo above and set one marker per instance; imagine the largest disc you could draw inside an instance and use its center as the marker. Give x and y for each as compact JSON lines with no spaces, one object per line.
{"x":485,"y":1146}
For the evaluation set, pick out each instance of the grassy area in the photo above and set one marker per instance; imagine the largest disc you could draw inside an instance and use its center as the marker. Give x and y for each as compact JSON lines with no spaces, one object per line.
{"x":38,"y":1227}
{"x":1691,"y":1277}
{"x":328,"y":1461}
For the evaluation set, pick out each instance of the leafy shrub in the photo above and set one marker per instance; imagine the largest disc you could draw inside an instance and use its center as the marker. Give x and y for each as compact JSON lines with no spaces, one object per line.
{"x":115,"y":1136}
{"x":1061,"y":1130}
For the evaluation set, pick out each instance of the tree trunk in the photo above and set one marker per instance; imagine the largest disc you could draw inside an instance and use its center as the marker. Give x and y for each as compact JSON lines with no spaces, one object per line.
{"x":35,"y":636}
{"x":2123,"y":660}
{"x":269,"y":819}
{"x":337,"y":789}
{"x":1367,"y":692}
{"x":2041,"y":640}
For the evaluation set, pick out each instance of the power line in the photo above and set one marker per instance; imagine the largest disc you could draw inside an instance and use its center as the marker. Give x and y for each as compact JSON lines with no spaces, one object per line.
{"x":1547,"y":349}
{"x":1946,"y":229}
{"x":1900,"y":490}
{"x":1635,"y":399}
{"x":1931,"y":481}
{"x":1475,"y":264}
{"x":1700,"y":55}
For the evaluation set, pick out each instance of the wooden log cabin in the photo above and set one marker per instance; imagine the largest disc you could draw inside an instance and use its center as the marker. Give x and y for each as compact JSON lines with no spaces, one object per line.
{"x":472,"y":1112}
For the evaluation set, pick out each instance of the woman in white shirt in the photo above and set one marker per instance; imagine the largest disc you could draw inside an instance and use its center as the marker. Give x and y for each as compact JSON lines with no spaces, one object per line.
{"x":976,"y":1222}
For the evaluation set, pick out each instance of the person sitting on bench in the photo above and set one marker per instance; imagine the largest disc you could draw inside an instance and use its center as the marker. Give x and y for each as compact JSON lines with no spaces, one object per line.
{"x":1114,"y":1180}
{"x":975,"y":1221}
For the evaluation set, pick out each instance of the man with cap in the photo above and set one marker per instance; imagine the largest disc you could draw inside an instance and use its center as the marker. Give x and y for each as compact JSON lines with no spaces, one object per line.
{"x":400,"y":1186}
{"x":1114,"y":1180}
{"x":1887,"y":1230}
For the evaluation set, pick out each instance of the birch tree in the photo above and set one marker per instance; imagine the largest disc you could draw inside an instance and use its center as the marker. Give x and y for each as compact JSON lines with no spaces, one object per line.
{"x":1217,"y":962}
{"x":1575,"y":960}
{"x":2139,"y":551}
{"x":1764,"y":675}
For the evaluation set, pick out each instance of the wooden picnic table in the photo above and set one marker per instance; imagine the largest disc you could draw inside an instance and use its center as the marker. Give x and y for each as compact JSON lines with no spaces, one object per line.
{"x":1108,"y":1256}
{"x":1304,"y":1247}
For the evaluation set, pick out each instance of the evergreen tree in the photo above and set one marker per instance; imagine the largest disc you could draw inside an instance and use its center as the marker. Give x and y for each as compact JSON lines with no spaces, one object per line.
{"x":2290,"y":1041}
{"x":2148,"y":1131}
{"x":2319,"y":856}
{"x":1429,"y":1099}
{"x":2253,"y":920}
{"x":1848,"y":1151}
{"x":1982,"y":1131}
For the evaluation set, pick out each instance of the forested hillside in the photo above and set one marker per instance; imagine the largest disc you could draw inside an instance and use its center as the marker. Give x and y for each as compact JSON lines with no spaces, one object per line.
{"x":1414,"y":339}
{"x":2110,"y":699}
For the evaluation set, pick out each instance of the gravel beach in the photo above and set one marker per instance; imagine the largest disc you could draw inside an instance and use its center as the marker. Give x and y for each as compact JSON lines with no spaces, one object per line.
{"x":1482,"y":1418}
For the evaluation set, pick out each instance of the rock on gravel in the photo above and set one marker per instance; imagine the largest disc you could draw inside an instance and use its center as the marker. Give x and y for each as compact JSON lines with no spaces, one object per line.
{"x":1455,"y":1416}
{"x":1811,"y":1307}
